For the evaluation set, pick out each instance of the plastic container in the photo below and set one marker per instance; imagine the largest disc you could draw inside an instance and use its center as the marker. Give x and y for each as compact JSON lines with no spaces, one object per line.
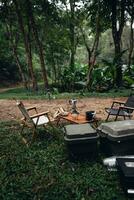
{"x":126,"y":172}
{"x":90,"y":115}
{"x":81,"y":140}
{"x":117,"y":138}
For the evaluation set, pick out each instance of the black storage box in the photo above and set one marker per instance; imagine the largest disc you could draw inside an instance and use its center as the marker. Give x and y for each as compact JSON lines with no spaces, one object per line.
{"x":117,"y":138}
{"x":81,"y":140}
{"x":90,"y":115}
{"x":126,"y":172}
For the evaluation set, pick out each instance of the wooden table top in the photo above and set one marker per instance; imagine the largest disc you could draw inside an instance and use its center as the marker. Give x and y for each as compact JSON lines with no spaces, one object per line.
{"x":79,"y":119}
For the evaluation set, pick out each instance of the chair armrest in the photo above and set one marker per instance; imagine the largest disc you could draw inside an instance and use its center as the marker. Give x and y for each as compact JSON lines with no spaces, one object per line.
{"x":117,"y":102}
{"x":39,"y":114}
{"x":31,"y":108}
{"x":126,"y":107}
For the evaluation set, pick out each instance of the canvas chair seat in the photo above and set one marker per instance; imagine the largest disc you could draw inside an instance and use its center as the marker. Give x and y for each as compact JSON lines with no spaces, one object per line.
{"x":40,"y":120}
{"x":115,"y":111}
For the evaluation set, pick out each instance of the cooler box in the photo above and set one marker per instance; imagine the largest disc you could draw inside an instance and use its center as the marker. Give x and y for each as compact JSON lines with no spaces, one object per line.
{"x":117,"y":138}
{"x":126,"y":172}
{"x":81,"y":139}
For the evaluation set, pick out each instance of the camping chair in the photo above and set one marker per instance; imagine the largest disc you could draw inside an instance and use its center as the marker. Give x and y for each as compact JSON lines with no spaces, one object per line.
{"x":124,"y":109}
{"x":32,"y":121}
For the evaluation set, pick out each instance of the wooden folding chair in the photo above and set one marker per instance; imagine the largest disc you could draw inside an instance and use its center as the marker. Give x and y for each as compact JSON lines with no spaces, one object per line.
{"x":32,"y":121}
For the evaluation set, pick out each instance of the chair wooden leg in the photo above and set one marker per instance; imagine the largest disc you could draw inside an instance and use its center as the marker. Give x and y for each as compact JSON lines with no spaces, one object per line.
{"x":116,"y":118}
{"x":107,"y":117}
{"x":23,"y":139}
{"x":23,"y":126}
{"x":34,"y":135}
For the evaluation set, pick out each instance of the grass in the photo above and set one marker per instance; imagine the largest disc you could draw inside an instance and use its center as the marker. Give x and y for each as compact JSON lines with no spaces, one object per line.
{"x":21,"y":93}
{"x":43,"y":171}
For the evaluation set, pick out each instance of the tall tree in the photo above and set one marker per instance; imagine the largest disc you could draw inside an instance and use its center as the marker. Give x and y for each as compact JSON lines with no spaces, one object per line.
{"x":13,"y":38}
{"x":95,"y":26}
{"x":118,"y":21}
{"x":92,"y":53}
{"x":130,"y":10}
{"x":71,"y":12}
{"x":37,"y":40}
{"x":72,"y":32}
{"x":13,"y":42}
{"x":26,"y":44}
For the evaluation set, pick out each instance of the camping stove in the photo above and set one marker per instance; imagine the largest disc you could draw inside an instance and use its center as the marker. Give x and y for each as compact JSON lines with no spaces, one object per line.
{"x":74,"y":108}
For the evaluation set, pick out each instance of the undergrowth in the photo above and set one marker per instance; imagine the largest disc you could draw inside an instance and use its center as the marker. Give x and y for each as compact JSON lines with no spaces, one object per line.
{"x":43,"y":171}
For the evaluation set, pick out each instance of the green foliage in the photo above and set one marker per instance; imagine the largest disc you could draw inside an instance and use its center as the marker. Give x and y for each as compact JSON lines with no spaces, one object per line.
{"x":128,"y":77}
{"x":102,"y":79}
{"x":43,"y":171}
{"x":8,"y":71}
{"x":53,"y":25}
{"x":70,"y":78}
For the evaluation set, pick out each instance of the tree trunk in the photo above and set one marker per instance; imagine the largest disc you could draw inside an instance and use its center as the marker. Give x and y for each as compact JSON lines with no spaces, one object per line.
{"x":118,"y":63}
{"x":54,"y":67}
{"x":14,"y":50}
{"x":29,"y":59}
{"x":38,"y":42}
{"x":72,"y":34}
{"x":93,"y":53}
{"x":20,"y":68}
{"x":92,"y":58}
{"x":117,"y":33}
{"x":131,"y":45}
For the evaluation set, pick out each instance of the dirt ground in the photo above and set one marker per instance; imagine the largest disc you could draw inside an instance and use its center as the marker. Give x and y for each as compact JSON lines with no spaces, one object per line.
{"x":9,"y":110}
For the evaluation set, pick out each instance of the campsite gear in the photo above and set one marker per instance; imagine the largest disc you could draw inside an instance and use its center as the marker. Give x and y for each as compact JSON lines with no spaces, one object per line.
{"x":74,"y":108}
{"x":124,"y":109}
{"x":126,"y":172}
{"x":117,"y":138}
{"x":110,"y":162}
{"x":32,"y":121}
{"x":81,"y":139}
{"x":90,"y":115}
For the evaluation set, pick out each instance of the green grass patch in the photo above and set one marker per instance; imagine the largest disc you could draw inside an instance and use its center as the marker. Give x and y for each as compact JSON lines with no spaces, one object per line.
{"x":43,"y":171}
{"x":21,"y":93}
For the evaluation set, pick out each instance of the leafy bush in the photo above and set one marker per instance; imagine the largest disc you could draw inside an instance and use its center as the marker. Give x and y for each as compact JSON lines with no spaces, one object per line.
{"x":128,"y":77}
{"x":70,"y":79}
{"x":102,"y":79}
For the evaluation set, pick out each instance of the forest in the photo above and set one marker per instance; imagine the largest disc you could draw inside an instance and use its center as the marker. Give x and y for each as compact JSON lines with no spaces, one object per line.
{"x":66,"y":99}
{"x":67,"y":44}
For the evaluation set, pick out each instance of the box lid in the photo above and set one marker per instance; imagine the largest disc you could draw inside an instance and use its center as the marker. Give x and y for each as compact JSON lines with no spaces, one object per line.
{"x":79,"y":131}
{"x":126,"y":166}
{"x":118,"y":129}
